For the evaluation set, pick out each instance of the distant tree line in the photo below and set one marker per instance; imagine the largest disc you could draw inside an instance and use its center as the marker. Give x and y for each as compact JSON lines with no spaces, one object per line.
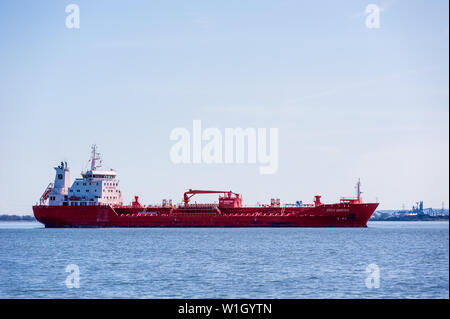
{"x":17,"y":218}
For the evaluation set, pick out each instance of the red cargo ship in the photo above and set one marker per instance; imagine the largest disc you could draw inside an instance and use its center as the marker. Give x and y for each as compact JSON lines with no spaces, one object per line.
{"x":96,"y":201}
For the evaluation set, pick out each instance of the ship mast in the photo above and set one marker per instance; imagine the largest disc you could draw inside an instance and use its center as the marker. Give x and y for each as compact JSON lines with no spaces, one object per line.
{"x":358,"y":189}
{"x":95,"y":156}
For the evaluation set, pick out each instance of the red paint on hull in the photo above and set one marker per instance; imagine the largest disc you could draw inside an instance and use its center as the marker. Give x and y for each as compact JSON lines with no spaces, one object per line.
{"x":333,"y":215}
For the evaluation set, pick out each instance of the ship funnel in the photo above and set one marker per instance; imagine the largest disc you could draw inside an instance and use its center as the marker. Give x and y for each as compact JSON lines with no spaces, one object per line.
{"x":317,"y":200}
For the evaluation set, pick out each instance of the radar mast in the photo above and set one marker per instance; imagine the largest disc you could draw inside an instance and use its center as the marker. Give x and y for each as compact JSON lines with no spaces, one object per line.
{"x":96,"y":161}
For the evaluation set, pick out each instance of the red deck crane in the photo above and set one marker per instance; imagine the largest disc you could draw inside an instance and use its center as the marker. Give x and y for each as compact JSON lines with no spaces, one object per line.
{"x":188,"y":195}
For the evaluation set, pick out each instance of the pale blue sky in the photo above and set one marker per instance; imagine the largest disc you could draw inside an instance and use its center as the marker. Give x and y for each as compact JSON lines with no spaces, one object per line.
{"x":349,"y":101}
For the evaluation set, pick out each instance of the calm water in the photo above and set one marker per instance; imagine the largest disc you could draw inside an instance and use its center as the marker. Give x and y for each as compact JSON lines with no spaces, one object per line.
{"x":226,"y":263}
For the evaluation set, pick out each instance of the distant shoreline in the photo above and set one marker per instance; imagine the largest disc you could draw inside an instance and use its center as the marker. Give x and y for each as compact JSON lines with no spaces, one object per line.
{"x":17,"y":218}
{"x":416,"y":218}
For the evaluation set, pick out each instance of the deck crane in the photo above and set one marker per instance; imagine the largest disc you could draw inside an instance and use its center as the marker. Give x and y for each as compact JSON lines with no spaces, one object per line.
{"x":190,"y":193}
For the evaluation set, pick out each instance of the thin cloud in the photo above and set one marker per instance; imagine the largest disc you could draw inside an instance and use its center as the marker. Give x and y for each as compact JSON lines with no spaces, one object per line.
{"x":201,"y":22}
{"x":236,"y":109}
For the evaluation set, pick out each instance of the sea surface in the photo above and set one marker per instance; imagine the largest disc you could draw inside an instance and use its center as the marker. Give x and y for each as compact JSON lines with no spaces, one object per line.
{"x":410,"y":260}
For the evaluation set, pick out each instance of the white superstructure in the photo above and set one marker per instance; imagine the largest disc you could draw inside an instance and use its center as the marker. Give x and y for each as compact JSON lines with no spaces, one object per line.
{"x":95,"y":187}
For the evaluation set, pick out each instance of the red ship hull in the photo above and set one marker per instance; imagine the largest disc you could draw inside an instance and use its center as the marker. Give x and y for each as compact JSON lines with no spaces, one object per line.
{"x":326,"y":215}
